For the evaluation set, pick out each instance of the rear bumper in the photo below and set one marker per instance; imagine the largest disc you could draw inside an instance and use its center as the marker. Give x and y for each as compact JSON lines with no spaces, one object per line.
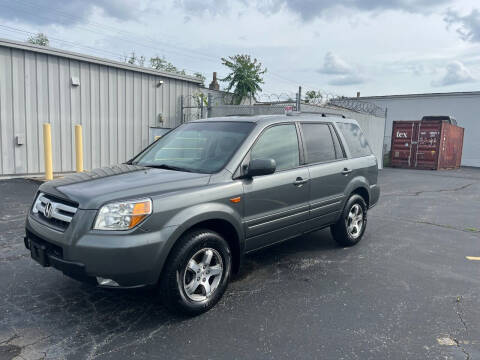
{"x":374,"y":195}
{"x":131,"y":260}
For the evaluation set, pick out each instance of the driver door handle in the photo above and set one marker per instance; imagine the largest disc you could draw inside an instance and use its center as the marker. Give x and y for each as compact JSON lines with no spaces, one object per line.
{"x":346,"y":171}
{"x":300,"y":181}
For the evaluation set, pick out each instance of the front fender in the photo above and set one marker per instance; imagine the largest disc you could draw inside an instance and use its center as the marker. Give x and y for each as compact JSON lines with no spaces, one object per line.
{"x":191,"y":216}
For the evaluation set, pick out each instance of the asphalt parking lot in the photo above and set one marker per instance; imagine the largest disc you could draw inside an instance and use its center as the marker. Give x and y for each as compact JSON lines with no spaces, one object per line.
{"x":407,"y":291}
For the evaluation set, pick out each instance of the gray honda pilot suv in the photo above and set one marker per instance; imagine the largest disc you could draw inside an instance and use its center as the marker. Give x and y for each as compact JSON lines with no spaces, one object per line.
{"x":184,"y":211}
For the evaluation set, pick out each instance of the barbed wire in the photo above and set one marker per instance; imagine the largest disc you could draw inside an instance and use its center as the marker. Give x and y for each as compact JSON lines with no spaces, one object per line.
{"x":316,"y":98}
{"x":358,"y":106}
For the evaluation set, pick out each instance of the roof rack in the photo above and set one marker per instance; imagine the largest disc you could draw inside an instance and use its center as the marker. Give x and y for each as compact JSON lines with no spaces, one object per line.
{"x":333,"y":114}
{"x":296,"y":113}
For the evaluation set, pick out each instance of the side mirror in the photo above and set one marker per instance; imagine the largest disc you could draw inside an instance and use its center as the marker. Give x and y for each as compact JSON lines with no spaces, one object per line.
{"x":259,"y":167}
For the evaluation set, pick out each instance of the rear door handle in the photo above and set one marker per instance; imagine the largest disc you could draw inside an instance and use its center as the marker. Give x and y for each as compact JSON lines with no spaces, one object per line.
{"x":300,"y":181}
{"x":346,"y":171}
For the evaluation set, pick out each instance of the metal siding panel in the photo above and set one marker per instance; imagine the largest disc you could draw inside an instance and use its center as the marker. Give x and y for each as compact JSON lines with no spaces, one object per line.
{"x":54,"y":110}
{"x":145,"y":110}
{"x":172,"y":121}
{"x":162,"y":103}
{"x":112,"y":115}
{"x":75,"y":107}
{"x":151,"y":104}
{"x":129,"y":115}
{"x":85,"y":113}
{"x":31,"y":114}
{"x":104,"y":119}
{"x":18,"y":99}
{"x":178,"y":94}
{"x":42,"y":104}
{"x":122,"y":107}
{"x":6,"y":112}
{"x":137,"y":113}
{"x":95,"y":115}
{"x":65,"y":118}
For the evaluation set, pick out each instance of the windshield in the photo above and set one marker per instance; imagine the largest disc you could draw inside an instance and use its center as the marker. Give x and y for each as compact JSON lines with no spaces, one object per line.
{"x":203,"y":147}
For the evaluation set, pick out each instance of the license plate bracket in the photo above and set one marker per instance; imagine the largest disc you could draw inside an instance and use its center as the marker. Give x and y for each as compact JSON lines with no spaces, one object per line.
{"x":38,"y":252}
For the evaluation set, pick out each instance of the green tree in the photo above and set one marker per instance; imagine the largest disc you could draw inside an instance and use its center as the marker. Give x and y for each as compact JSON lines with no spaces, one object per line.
{"x":39,"y":39}
{"x":201,"y":77}
{"x":160,"y":63}
{"x":245,"y":77}
{"x":313,"y":97}
{"x":135,"y":60}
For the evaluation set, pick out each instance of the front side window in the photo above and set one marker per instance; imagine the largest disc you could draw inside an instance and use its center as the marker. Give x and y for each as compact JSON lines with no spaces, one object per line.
{"x":319,"y":144}
{"x":356,"y":141}
{"x":203,"y":147}
{"x":280,"y":143}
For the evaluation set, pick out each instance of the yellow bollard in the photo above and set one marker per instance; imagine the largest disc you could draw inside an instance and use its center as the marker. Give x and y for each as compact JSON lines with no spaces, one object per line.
{"x":47,"y":148}
{"x":79,"y":147}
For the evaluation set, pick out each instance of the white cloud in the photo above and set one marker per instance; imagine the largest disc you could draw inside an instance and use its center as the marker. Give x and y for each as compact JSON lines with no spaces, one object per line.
{"x":467,"y":26}
{"x":455,"y":73}
{"x":345,"y":73}
{"x":334,"y":65}
{"x":310,"y":9}
{"x":391,"y":46}
{"x":344,"y":80}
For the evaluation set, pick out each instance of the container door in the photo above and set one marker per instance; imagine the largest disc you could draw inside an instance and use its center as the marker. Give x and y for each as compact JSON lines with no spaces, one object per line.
{"x":426,"y":150}
{"x":404,"y":140}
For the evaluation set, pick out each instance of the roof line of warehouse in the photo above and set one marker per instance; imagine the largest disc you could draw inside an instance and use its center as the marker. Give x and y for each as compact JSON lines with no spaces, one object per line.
{"x":457,"y":93}
{"x":93,"y":59}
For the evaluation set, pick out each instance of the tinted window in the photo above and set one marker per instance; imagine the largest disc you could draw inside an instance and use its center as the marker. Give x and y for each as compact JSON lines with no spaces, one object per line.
{"x":336,"y":141}
{"x":198,"y":147}
{"x":356,"y":141}
{"x":318,"y":143}
{"x":279,"y":143}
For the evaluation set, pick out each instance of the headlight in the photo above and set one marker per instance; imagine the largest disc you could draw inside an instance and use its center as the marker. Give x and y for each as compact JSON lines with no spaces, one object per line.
{"x":123,"y":215}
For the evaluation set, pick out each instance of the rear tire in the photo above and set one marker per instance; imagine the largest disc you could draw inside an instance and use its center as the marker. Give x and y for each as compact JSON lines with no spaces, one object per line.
{"x":197,"y":273}
{"x":351,"y":226}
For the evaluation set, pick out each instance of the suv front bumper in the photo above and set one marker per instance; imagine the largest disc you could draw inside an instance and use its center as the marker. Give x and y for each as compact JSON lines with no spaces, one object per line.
{"x":131,"y":259}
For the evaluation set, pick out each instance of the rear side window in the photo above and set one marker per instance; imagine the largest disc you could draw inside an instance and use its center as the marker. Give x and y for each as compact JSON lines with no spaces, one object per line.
{"x":319,"y":144}
{"x":279,"y":143}
{"x":356,"y":141}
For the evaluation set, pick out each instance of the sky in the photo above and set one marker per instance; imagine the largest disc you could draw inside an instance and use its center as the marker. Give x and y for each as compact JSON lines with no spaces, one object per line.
{"x":377,"y":47}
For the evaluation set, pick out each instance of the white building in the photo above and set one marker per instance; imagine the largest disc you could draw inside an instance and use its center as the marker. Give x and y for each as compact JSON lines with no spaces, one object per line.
{"x":116,"y":103}
{"x":463,"y":106}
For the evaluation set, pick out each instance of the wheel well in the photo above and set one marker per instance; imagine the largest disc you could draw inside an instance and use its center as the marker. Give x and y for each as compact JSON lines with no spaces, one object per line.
{"x":227,"y":230}
{"x":363,"y":193}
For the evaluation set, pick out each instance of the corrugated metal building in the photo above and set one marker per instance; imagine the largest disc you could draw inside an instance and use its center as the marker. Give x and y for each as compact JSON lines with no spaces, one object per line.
{"x":116,"y":103}
{"x":463,"y":106}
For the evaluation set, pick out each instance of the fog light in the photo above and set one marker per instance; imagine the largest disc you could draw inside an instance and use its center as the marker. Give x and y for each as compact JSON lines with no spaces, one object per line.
{"x":106,"y":282}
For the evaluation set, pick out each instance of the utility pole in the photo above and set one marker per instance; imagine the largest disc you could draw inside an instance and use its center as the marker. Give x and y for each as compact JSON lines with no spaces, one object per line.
{"x":299,"y":97}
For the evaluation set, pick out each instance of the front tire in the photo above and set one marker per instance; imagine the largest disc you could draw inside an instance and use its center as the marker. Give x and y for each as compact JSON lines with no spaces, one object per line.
{"x":351,"y":226}
{"x":197,"y":273}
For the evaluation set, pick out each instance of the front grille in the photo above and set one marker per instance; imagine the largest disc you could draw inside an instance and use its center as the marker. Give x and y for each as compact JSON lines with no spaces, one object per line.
{"x":55,"y":212}
{"x":53,"y":249}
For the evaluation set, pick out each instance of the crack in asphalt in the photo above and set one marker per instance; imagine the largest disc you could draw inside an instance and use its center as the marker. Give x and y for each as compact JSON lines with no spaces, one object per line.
{"x":450,"y":227}
{"x":459,"y":313}
{"x":417,"y":193}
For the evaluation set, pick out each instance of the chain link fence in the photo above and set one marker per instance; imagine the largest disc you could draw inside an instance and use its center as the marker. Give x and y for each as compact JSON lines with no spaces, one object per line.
{"x":208,"y":104}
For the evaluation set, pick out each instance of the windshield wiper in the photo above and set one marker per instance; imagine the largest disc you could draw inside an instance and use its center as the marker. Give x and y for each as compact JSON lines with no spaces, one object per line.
{"x":167,"y":167}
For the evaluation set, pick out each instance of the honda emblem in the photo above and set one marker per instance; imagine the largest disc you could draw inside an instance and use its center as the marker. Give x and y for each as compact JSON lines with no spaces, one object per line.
{"x":47,"y":211}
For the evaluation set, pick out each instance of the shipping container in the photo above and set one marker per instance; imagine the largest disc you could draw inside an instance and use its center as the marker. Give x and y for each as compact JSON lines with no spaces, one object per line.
{"x":432,"y":144}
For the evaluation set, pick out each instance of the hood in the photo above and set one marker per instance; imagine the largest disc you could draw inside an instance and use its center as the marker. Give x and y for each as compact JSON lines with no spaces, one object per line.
{"x":92,"y":189}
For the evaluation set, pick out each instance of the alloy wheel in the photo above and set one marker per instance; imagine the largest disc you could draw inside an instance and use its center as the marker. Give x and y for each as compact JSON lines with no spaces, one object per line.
{"x":203,"y":274}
